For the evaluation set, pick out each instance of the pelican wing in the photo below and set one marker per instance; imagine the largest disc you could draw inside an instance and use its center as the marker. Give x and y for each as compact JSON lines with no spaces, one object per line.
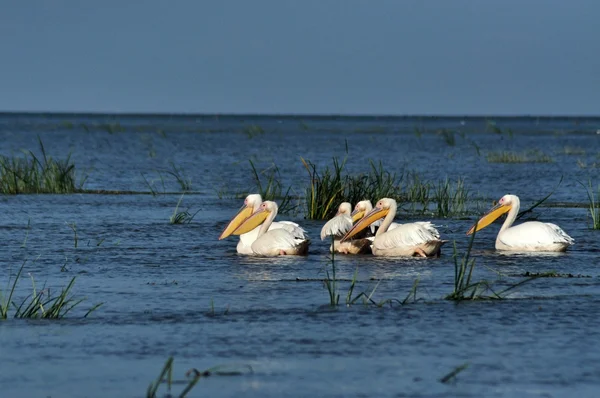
{"x":296,"y":230}
{"x":337,"y":226}
{"x":276,"y":240}
{"x":407,"y":235}
{"x":533,"y":234}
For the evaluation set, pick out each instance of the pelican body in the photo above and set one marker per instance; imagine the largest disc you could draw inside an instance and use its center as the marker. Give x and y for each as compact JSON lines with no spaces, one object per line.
{"x":530,"y":236}
{"x":420,"y":238}
{"x":338,"y":226}
{"x":251,"y":205}
{"x":271,"y":242}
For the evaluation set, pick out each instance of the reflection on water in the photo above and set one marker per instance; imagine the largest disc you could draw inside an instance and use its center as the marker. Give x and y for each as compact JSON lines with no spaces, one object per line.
{"x":177,"y":290}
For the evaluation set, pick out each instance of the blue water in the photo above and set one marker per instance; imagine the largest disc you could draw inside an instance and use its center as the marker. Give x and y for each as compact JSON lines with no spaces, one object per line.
{"x":175,"y":290}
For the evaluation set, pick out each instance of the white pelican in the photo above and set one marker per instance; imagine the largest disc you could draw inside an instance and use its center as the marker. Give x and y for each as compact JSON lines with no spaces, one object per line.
{"x":338,"y":226}
{"x":364,"y":207}
{"x":530,"y":236}
{"x":251,"y":205}
{"x":419,"y":238}
{"x":272,"y":242}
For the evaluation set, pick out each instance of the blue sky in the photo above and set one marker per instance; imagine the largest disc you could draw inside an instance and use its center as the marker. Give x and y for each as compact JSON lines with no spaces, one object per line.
{"x":313,"y":56}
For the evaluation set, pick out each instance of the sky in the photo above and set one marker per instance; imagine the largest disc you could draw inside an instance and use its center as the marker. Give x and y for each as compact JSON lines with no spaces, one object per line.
{"x":394,"y":57}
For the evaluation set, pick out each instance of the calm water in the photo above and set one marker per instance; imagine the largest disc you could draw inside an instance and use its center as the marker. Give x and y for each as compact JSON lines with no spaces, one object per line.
{"x":157,"y":281}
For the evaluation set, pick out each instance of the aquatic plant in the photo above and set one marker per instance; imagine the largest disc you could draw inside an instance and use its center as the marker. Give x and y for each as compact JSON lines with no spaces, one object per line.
{"x":333,"y":185}
{"x":253,"y":130}
{"x":193,"y":376}
{"x":180,"y":176}
{"x":331,"y":283}
{"x":29,"y":174}
{"x":532,"y":156}
{"x":325,"y":190}
{"x":453,"y":373}
{"x":181,"y":217}
{"x":593,"y":204}
{"x":448,"y":136}
{"x":465,"y":288}
{"x":572,"y":150}
{"x":43,"y":303}
{"x":271,"y":189}
{"x":73,"y":227}
{"x":451,"y":199}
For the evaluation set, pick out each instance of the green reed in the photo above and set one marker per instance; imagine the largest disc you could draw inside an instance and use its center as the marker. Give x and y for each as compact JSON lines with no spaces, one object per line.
{"x":43,"y":303}
{"x":268,"y":184}
{"x":451,"y":199}
{"x":466,"y":289}
{"x":193,"y":376}
{"x":593,"y":204}
{"x":331,"y":284}
{"x":33,"y":174}
{"x":181,"y":217}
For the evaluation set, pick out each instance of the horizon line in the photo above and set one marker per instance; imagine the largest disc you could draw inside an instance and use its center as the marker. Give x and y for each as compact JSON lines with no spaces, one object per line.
{"x":294,"y":115}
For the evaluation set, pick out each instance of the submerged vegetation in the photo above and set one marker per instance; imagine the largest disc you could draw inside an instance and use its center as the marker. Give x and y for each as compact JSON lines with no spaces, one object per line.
{"x":193,"y":376}
{"x":32,"y":174}
{"x":43,"y":303}
{"x":532,"y":156}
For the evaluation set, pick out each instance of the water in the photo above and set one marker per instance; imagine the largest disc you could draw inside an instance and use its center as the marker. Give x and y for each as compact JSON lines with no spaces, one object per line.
{"x":159,"y":282}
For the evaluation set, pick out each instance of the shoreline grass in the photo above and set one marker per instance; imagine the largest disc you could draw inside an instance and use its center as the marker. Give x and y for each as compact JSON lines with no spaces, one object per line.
{"x":31,"y":174}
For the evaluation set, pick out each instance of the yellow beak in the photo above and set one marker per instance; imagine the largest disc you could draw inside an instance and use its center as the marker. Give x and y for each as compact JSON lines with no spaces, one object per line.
{"x":252,"y":222}
{"x":489,"y":217}
{"x":367,"y":220}
{"x":357,"y":215}
{"x":244,"y":213}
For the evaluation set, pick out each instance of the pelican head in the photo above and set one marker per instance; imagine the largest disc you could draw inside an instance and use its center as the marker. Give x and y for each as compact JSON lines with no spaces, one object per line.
{"x":382,"y":208}
{"x":363,"y":207}
{"x":344,"y":208}
{"x":251,"y":205}
{"x":266,"y":209}
{"x":504,"y":205}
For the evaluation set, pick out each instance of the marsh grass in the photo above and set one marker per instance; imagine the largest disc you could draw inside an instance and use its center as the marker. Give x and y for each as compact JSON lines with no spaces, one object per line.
{"x":448,"y":136}
{"x":253,"y":130}
{"x":451,"y":199}
{"x":593,"y":204}
{"x":181,"y":217}
{"x":177,"y":172}
{"x":268,"y":184}
{"x":572,"y":150}
{"x":453,"y":373}
{"x":44,"y":303}
{"x":73,"y":227}
{"x":33,"y":174}
{"x":532,"y":156}
{"x":193,"y":376}
{"x":333,"y":185}
{"x":331,"y":284}
{"x":466,"y":289}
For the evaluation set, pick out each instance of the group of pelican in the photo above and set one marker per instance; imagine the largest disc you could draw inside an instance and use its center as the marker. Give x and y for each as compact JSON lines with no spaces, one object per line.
{"x":368,"y":229}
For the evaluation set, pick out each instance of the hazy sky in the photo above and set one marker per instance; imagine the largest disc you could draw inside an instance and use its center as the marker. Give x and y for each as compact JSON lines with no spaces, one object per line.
{"x":302,"y":56}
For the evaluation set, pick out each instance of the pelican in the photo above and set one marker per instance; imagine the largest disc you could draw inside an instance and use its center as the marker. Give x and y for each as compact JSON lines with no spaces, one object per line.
{"x":364,"y":207}
{"x":530,"y":236}
{"x":338,"y":226}
{"x":420,"y":238}
{"x":272,"y":242}
{"x":251,"y":205}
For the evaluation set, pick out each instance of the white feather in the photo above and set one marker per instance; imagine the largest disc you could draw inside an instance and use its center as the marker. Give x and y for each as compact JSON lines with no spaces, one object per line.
{"x":337,"y":226}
